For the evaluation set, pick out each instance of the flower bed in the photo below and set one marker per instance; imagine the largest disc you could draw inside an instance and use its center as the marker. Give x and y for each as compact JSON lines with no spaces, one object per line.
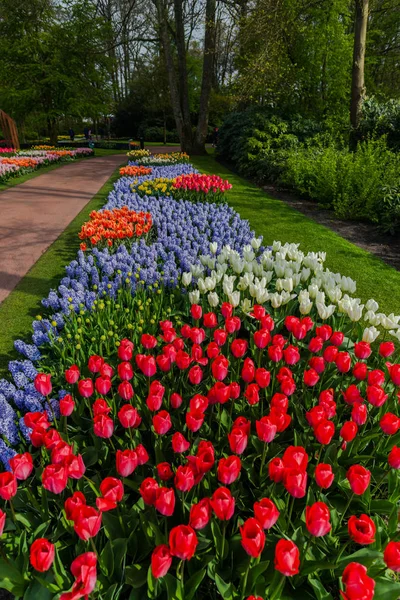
{"x":206,"y":417}
{"x":194,"y":187}
{"x":144,"y":157}
{"x":26,"y":161}
{"x":110,"y":225}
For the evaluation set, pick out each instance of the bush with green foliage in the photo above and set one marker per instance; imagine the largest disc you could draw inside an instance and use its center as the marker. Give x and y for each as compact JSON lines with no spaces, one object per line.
{"x":351,"y":183}
{"x":381,"y":118}
{"x":256,"y":141}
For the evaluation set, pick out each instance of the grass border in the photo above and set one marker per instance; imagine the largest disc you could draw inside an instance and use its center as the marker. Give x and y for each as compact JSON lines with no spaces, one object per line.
{"x":21,"y":306}
{"x":275,"y":220}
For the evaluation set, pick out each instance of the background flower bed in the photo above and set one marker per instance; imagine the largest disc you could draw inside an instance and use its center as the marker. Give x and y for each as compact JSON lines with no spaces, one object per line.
{"x":119,"y":310}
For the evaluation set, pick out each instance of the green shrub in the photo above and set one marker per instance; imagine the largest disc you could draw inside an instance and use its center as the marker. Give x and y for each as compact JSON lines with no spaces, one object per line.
{"x":390,"y":210}
{"x":349,"y":182}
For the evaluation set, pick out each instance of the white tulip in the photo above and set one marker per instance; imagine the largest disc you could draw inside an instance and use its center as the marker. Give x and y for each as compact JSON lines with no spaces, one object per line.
{"x":196,"y":270}
{"x":305,"y":274}
{"x":210,"y":283}
{"x":194,"y":297}
{"x":187,"y":278}
{"x":248,"y":253}
{"x":305,"y":307}
{"x":276,"y":300}
{"x":276,"y":246}
{"x":213,"y":299}
{"x":355,"y":312}
{"x":202,"y":286}
{"x":234,"y":299}
{"x":395,"y":333}
{"x":313,"y":291}
{"x":372,"y":305}
{"x":262,"y":295}
{"x":325,"y":311}
{"x":256,"y":243}
{"x":246,"y":305}
{"x":370,"y":334}
{"x":213,"y":247}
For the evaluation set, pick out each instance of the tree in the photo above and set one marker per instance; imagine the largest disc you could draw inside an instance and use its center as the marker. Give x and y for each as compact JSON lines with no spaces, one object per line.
{"x":174,"y":48}
{"x":357,"y":81}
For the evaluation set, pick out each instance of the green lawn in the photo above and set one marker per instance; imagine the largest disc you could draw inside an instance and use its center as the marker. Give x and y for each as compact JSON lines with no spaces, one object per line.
{"x":276,"y":221}
{"x":17,"y":180}
{"x":19,"y":309}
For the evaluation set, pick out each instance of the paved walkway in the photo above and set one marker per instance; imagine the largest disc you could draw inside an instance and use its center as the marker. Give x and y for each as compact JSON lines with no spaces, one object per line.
{"x":34,"y":214}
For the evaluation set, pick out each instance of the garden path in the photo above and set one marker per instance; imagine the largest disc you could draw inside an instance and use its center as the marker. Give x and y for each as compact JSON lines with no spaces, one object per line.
{"x":33,"y":214}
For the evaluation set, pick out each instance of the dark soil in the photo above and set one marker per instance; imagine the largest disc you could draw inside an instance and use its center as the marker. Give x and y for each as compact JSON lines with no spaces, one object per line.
{"x":362,"y":234}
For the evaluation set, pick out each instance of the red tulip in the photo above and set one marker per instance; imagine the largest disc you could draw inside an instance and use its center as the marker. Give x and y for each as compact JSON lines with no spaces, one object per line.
{"x":390,"y":423}
{"x":394,"y":372}
{"x":343,"y":361}
{"x":72,"y":374}
{"x":147,"y":364}
{"x":391,"y":556}
{"x":311,"y":377}
{"x":248,"y":370}
{"x":266,"y":429}
{"x":103,"y":426}
{"x":359,"y":478}
{"x":164,"y":471}
{"x":324,"y":332}
{"x":352,"y":395}
{"x":148,"y":490}
{"x":295,"y":457}
{"x":362,"y":350}
{"x":2,"y":521}
{"x":125,"y":371}
{"x":219,"y":368}
{"x":394,"y":458}
{"x":287,"y":558}
{"x":61,"y":451}
{"x":359,"y":413}
{"x":239,"y":348}
{"x":54,"y":478}
{"x":162,"y":422}
{"x":41,"y":555}
{"x":176,"y":400}
{"x":253,"y":537}
{"x":125,"y":350}
{"x":263,"y":377}
{"x":360,"y":371}
{"x":100,"y":407}
{"x":376,"y":377}
{"x":126,"y":462}
{"x":21,"y":465}
{"x":291,"y":355}
{"x":179,"y":443}
{"x":51,"y":437}
{"x":200,"y":514}
{"x":237,"y":440}
{"x":87,"y":522}
{"x":386,"y":349}
{"x":210,"y":320}
{"x":161,"y":561}
{"x":324,"y":476}
{"x":85,"y":388}
{"x":73,"y":504}
{"x":165,"y":501}
{"x":195,"y":375}
{"x":318,"y":519}
{"x":376,"y":395}
{"x":337,"y":338}
{"x":324,"y":432}
{"x":125,"y":390}
{"x":295,"y":482}
{"x":36,"y":419}
{"x":275,"y":353}
{"x":223,"y":503}
{"x":129,"y":416}
{"x":276,"y":469}
{"x":196,"y":311}
{"x":229,"y":469}
{"x":42,"y":383}
{"x":232,"y":324}
{"x":148,"y":341}
{"x":83,"y":569}
{"x":262,"y":338}
{"x":358,"y":586}
{"x":194,"y":420}
{"x":75,"y":466}
{"x":220,"y":337}
{"x":112,"y":489}
{"x":348,"y":431}
{"x":184,"y":478}
{"x":226,"y":310}
{"x":330,"y":353}
{"x":67,"y":405}
{"x":362,"y":529}
{"x":183,"y":542}
{"x":266,"y":513}
{"x":316,"y":415}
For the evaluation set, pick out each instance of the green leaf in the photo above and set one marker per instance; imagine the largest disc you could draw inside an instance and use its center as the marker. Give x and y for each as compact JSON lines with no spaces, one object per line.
{"x":112,"y":526}
{"x":387,"y":589}
{"x":90,"y":456}
{"x":136,"y":575}
{"x":60,"y":574}
{"x":36,"y":590}
{"x":174,"y":587}
{"x":312,"y":566}
{"x":226,"y":590}
{"x":107,"y":559}
{"x":320,"y":592}
{"x":365,"y":556}
{"x":219,"y":540}
{"x":193,"y":583}
{"x":257,"y":570}
{"x":109,"y":595}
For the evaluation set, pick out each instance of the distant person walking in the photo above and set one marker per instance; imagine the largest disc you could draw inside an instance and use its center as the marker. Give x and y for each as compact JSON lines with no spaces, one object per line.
{"x":71,"y":134}
{"x":215,"y":137}
{"x":86,"y":132}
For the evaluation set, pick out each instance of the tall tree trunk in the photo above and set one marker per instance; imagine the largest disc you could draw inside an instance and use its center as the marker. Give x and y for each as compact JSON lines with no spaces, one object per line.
{"x":170,"y":67}
{"x":357,"y":82}
{"x":207,"y":78}
{"x":52,"y":128}
{"x":187,"y":139}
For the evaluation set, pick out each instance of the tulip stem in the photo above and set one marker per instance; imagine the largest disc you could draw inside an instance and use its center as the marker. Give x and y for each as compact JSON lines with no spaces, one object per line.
{"x":94,"y":548}
{"x":245,"y":578}
{"x":291,"y":510}
{"x":342,"y":550}
{"x":345,"y":510}
{"x":181,"y":569}
{"x":264,"y":454}
{"x":381,"y":572}
{"x":13,"y":515}
{"x":223,"y":540}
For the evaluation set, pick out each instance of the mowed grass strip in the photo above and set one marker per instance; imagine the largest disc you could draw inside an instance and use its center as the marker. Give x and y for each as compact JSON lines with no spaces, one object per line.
{"x":274,"y":220}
